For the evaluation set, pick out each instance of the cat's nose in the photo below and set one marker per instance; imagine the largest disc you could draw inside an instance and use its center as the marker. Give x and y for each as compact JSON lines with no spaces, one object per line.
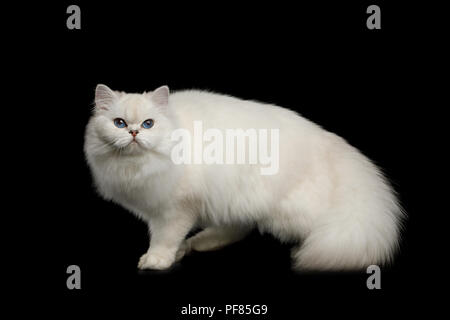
{"x":134,"y":132}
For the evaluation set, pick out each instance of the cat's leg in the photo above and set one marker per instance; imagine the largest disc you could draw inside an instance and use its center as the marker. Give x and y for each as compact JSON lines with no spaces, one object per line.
{"x":167,"y":233}
{"x":214,"y":238}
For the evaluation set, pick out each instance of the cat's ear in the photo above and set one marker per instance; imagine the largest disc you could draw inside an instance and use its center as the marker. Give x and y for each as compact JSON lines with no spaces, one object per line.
{"x":160,"y":96}
{"x":104,"y":97}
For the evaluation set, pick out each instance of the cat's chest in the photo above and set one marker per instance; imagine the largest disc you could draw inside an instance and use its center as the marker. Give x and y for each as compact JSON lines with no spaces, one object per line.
{"x":131,"y":185}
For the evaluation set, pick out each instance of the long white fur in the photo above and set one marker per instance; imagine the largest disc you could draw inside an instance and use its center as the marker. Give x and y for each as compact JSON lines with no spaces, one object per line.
{"x":327,"y":198}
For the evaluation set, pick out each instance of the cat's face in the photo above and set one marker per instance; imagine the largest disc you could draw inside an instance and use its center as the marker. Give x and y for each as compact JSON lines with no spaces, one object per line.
{"x":132,"y":123}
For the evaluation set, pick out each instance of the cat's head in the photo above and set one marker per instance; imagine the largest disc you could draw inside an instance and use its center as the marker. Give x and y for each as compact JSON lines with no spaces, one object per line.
{"x":131,"y":123}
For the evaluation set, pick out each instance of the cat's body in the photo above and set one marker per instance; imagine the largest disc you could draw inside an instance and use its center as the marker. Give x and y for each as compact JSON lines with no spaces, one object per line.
{"x":325,"y":196}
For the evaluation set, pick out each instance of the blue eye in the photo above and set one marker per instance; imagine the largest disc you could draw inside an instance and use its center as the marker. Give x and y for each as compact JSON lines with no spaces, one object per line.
{"x":120,"y":123}
{"x":147,"y":124}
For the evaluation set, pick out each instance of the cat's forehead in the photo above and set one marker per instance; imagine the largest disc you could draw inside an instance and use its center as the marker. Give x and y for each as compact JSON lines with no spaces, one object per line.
{"x":134,"y":107}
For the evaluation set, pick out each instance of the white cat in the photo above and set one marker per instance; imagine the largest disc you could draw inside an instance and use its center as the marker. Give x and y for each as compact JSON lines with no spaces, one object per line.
{"x":326,"y":197}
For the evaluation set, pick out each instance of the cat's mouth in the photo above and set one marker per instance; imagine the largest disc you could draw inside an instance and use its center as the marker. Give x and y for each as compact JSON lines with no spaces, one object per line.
{"x":134,"y":142}
{"x":131,"y":145}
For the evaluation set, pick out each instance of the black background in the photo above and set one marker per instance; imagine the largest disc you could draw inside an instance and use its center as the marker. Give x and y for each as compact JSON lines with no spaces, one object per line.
{"x":317,"y":58}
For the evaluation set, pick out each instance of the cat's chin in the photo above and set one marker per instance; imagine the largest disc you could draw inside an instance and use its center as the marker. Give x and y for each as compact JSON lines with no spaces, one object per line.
{"x":130,"y":148}
{"x":134,"y":147}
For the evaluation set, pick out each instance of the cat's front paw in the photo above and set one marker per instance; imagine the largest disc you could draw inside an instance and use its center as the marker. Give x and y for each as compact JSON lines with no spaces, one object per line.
{"x":154,"y":261}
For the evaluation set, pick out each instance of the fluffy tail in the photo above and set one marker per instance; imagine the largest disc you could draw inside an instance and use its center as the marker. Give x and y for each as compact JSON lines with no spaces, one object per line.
{"x":345,"y":246}
{"x":367,"y":235}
